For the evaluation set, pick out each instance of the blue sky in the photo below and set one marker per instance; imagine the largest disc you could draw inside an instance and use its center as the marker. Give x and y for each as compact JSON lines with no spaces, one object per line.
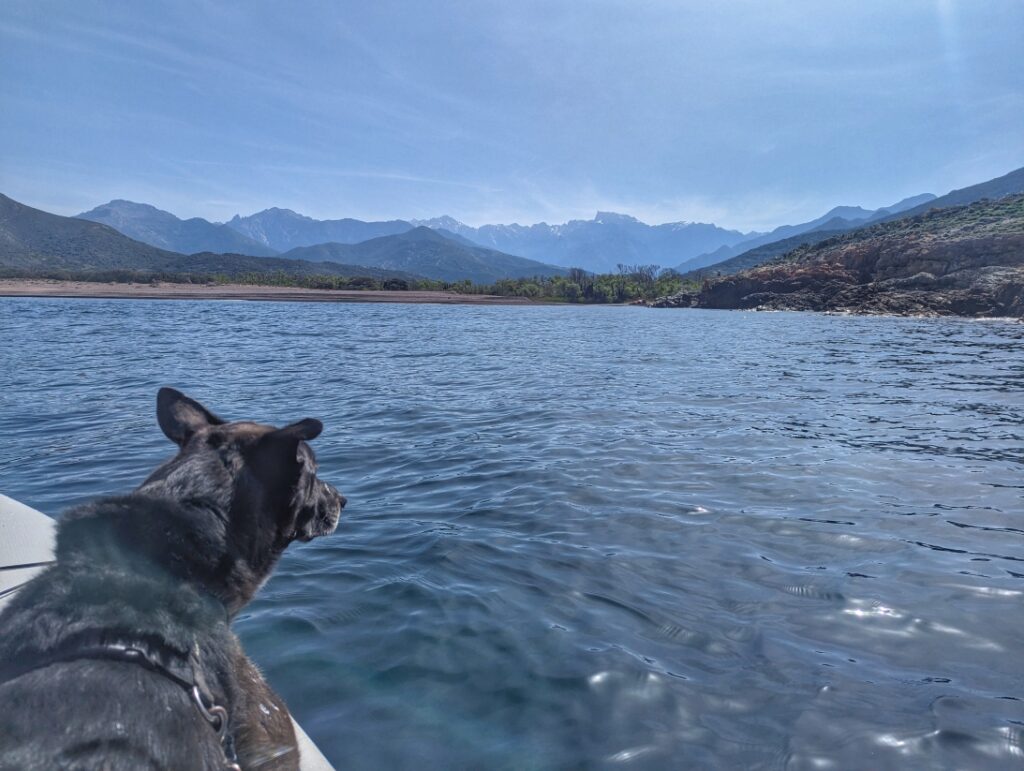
{"x":747,"y":114}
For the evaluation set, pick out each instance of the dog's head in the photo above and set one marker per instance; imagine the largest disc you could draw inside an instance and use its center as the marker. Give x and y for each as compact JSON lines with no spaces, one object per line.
{"x":261,"y":480}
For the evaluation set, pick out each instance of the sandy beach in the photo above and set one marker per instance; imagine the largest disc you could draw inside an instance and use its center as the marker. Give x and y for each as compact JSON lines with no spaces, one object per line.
{"x":166,"y":291}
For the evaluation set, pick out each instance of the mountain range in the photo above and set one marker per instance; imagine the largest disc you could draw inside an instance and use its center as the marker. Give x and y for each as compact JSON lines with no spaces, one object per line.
{"x":446,"y":249}
{"x":34,"y":242}
{"x":599,"y":244}
{"x":37,"y":243}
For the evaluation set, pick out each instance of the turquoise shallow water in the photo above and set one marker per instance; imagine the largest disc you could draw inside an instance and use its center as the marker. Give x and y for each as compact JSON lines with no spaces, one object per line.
{"x":592,"y":537}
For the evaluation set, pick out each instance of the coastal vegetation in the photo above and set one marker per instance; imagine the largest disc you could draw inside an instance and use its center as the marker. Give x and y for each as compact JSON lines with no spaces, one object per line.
{"x":630,"y":283}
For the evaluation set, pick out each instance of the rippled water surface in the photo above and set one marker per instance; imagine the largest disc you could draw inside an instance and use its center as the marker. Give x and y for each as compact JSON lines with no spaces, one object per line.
{"x":592,"y":537}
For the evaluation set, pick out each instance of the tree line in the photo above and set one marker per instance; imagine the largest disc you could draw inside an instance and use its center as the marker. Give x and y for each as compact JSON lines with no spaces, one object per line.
{"x":630,"y":283}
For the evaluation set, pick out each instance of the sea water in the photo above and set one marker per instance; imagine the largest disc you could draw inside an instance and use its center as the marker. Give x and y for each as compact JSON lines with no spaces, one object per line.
{"x":592,"y":537}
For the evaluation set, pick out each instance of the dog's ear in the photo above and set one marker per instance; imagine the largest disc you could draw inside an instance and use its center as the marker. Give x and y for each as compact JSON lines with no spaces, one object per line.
{"x":303,"y":431}
{"x":180,"y":417}
{"x":282,"y":444}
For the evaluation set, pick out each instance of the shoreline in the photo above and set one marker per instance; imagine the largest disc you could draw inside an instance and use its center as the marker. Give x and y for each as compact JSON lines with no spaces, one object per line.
{"x":167,"y":291}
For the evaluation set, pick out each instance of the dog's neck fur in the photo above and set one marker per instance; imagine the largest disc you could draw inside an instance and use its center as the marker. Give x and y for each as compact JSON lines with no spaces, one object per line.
{"x":192,"y":546}
{"x":122,"y":572}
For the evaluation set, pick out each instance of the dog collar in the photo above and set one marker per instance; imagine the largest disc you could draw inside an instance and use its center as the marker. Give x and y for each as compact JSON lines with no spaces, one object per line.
{"x":180,"y":669}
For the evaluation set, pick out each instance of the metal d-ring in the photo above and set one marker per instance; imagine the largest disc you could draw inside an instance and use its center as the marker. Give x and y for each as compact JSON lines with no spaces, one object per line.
{"x":215,"y":714}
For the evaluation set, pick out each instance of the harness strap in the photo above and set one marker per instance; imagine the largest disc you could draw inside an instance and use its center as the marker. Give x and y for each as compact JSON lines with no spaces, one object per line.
{"x":190,"y":679}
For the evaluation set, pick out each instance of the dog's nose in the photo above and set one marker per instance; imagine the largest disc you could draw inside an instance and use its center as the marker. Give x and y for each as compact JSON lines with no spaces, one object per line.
{"x":342,"y":500}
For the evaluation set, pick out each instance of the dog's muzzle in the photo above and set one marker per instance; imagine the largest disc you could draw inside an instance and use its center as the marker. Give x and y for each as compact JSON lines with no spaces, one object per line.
{"x":326,"y":508}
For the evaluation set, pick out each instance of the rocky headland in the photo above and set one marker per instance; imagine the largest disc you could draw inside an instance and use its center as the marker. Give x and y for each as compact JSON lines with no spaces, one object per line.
{"x":964,"y":261}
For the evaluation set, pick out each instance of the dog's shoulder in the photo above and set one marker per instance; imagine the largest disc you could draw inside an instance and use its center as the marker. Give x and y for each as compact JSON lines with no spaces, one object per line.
{"x":122,"y":564}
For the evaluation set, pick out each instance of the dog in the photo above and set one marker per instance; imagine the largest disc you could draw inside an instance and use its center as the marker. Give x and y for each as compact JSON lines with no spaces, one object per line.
{"x":120,"y":655}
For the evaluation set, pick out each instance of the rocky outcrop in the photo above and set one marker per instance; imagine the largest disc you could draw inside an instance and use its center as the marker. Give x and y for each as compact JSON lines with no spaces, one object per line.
{"x":966,"y":261}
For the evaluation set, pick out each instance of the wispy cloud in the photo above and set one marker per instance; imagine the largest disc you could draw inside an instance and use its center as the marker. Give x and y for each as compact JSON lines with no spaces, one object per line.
{"x":745,"y":115}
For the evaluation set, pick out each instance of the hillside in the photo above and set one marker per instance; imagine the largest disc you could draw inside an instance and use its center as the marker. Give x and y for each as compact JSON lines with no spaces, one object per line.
{"x":993,"y":189}
{"x":760,"y":255}
{"x":31,"y":239}
{"x":34,"y":242}
{"x":162,"y":229}
{"x":728,"y":260}
{"x":426,"y":252}
{"x":837,"y":218}
{"x":907,"y":205}
{"x":966,"y":260}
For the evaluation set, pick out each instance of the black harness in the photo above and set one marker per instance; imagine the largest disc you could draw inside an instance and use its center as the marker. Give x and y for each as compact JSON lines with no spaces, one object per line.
{"x":184,"y":671}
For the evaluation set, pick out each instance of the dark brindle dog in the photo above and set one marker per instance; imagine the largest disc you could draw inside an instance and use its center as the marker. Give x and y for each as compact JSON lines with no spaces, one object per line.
{"x":120,"y":655}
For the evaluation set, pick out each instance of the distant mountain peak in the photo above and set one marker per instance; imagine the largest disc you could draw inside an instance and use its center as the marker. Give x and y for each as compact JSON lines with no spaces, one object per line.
{"x":909,"y":203}
{"x":156,"y":227}
{"x":124,"y":206}
{"x":422,"y":233}
{"x":614,"y":218}
{"x":284,"y":229}
{"x":275,"y":211}
{"x":444,"y":221}
{"x":125,"y":202}
{"x":851,"y":213}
